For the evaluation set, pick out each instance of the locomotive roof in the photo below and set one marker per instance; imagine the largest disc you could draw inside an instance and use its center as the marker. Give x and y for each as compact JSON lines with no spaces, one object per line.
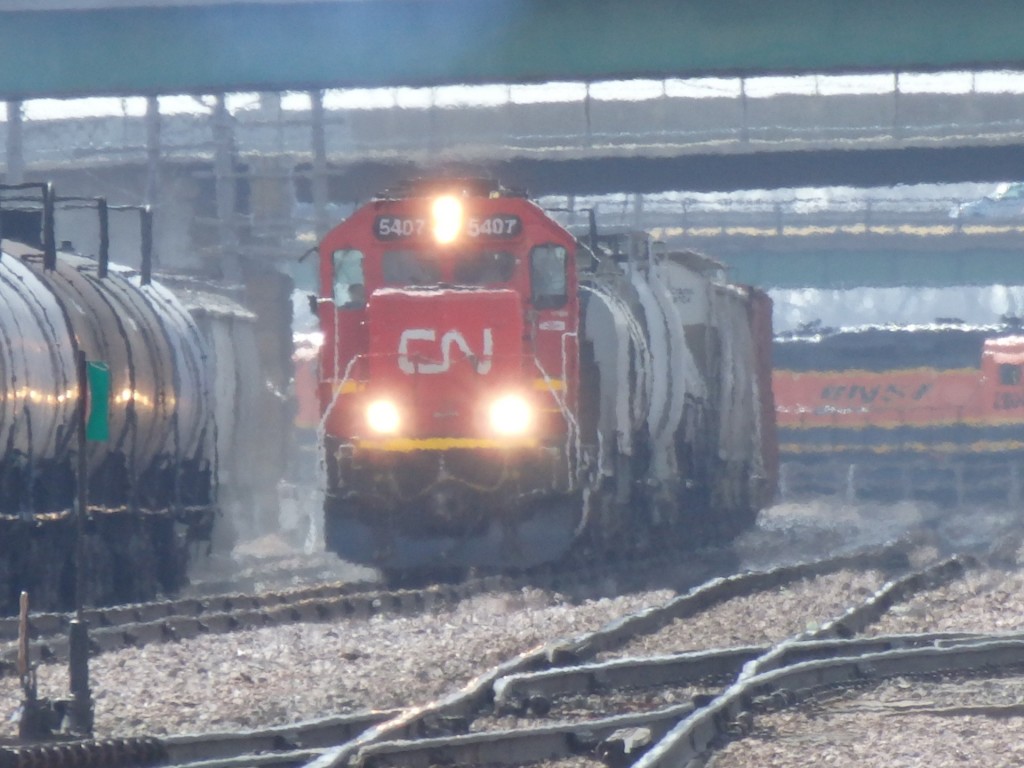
{"x":887,"y":347}
{"x":471,"y":186}
{"x":616,"y":241}
{"x":198,"y":298}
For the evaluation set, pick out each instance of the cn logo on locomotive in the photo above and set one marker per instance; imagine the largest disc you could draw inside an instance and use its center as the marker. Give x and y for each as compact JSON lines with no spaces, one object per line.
{"x":412,"y":364}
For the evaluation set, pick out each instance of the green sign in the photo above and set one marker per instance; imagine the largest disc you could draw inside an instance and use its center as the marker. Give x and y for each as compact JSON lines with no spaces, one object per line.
{"x":97,"y":427}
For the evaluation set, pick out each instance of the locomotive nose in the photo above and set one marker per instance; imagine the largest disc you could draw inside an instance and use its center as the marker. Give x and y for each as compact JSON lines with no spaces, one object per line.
{"x":449,"y":360}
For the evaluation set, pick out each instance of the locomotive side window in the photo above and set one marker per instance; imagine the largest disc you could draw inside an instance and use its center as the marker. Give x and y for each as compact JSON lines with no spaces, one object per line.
{"x":485,"y":268}
{"x":349,"y":282}
{"x":1009,"y":374}
{"x":410,"y":268}
{"x":548,"y":277}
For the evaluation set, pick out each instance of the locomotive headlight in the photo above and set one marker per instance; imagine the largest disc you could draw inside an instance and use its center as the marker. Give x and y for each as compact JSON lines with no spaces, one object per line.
{"x":511,"y":416}
{"x":447,"y":218}
{"x":382,"y":417}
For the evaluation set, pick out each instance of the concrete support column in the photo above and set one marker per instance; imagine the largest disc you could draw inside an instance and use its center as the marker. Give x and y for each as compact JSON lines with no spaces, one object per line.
{"x":897,"y":113}
{"x":271,"y":199}
{"x":271,"y":113}
{"x":638,"y":212}
{"x":15,"y":148}
{"x":319,"y":179}
{"x":745,"y":127}
{"x":271,"y":182}
{"x":224,"y":185}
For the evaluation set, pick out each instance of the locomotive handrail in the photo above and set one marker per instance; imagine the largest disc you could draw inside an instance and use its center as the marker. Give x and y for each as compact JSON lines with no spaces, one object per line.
{"x":145,"y":224}
{"x":46,"y":202}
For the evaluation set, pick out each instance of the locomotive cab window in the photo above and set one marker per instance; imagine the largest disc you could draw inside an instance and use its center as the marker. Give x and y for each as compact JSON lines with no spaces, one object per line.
{"x":410,"y":268}
{"x":549,"y":285}
{"x":485,"y":268}
{"x":349,"y":282}
{"x":1009,"y":375}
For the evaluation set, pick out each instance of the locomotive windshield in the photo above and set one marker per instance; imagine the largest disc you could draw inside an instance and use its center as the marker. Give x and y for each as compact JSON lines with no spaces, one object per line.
{"x":485,"y":268}
{"x":410,"y":268}
{"x":406,"y":268}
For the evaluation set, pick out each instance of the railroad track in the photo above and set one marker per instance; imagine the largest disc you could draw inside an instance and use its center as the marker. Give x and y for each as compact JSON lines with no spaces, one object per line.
{"x":542,"y":704}
{"x":137,"y":625}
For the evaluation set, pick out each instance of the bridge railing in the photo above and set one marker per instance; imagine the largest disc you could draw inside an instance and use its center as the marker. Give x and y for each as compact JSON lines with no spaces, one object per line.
{"x":669,"y":124}
{"x":851,"y":212}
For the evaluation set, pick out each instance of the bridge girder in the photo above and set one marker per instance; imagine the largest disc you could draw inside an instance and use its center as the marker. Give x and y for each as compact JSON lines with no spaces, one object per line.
{"x":145,"y":48}
{"x":711,"y":173}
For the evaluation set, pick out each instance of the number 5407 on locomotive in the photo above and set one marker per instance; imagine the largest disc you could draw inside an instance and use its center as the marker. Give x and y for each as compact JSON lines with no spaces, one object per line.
{"x":496,"y":394}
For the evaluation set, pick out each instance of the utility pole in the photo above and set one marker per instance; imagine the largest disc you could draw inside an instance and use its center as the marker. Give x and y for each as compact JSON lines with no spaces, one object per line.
{"x":78,"y":665}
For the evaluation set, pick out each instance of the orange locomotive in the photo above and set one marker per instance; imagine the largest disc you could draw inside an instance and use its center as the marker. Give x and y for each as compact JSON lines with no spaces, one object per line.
{"x":493,"y":392}
{"x":933,"y":412}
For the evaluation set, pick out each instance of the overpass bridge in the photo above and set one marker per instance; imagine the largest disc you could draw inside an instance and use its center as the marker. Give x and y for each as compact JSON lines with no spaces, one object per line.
{"x":574,"y":138}
{"x":150,"y":47}
{"x":261,"y":179}
{"x":644,"y":154}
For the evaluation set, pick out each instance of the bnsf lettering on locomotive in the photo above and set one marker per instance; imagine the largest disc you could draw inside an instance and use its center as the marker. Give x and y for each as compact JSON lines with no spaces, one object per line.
{"x":397,"y":227}
{"x":833,"y":393}
{"x":868,"y":394}
{"x":411,"y":363}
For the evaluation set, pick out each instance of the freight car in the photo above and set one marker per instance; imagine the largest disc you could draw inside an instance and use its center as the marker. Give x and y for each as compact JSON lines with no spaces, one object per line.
{"x":151,"y":484}
{"x":496,"y":394}
{"x":932,"y":412}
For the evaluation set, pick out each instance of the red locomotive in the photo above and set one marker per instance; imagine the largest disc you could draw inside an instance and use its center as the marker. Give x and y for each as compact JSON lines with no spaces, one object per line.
{"x":493,"y":392}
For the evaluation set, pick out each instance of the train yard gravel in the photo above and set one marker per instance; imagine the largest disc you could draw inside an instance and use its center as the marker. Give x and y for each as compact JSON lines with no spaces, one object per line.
{"x":904,"y":723}
{"x":766,"y":617}
{"x":985,"y":600}
{"x":899,"y":724}
{"x":297,"y":672}
{"x":291,"y":673}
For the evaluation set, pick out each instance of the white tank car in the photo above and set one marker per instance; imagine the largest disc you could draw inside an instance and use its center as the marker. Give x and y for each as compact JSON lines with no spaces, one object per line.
{"x":672,"y":370}
{"x":229,"y":331}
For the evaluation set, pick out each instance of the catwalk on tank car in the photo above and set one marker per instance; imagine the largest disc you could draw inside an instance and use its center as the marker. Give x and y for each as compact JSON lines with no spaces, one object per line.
{"x":150,"y":488}
{"x":929,"y":412}
{"x":496,"y":394}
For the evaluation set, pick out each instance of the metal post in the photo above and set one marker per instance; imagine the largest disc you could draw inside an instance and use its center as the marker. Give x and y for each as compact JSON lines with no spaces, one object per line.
{"x":146,"y":225}
{"x":81,"y":707}
{"x":32,"y":725}
{"x":83,"y":490}
{"x":153,"y":154}
{"x":49,"y":228}
{"x":104,"y":255}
